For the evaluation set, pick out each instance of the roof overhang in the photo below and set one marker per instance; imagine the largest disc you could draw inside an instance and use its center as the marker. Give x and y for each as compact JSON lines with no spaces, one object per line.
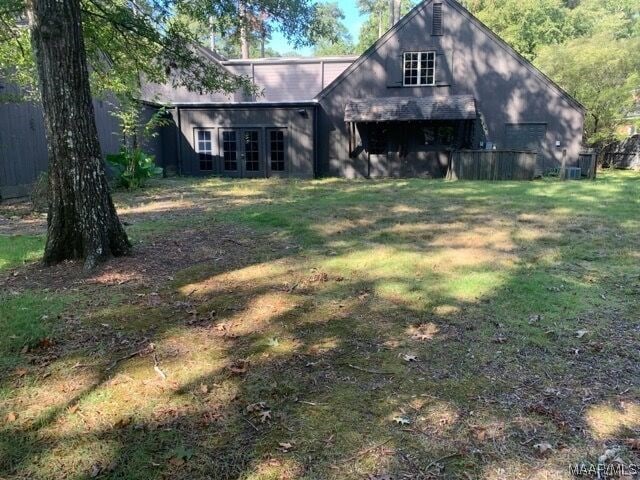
{"x":405,"y":109}
{"x":220,"y":105}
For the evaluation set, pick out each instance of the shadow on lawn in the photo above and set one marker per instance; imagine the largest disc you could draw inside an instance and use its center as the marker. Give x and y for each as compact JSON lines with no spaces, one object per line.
{"x":325,"y":346}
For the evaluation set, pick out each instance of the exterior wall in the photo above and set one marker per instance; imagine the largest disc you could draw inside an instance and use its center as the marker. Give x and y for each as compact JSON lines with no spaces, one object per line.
{"x":23,"y":146}
{"x":277,"y":79}
{"x":469,"y":60}
{"x":298,"y":128}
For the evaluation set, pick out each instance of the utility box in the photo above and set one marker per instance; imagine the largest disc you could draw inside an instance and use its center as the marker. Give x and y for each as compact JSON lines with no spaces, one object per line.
{"x":570,"y":173}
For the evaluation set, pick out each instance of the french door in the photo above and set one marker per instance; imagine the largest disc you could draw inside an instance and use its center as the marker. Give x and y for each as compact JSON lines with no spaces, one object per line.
{"x":241,"y":152}
{"x":278,"y":166}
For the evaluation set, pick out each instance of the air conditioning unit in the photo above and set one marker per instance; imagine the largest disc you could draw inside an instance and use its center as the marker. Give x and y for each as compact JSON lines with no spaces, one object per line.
{"x":570,"y":173}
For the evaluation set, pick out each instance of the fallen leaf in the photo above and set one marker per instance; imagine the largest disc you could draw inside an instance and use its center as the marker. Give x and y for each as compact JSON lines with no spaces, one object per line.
{"x":581,"y":333}
{"x":176,"y":461}
{"x":239,"y":366}
{"x":543,"y":448}
{"x":257,"y":407}
{"x":535,"y":318}
{"x":402,"y":420}
{"x":45,"y":343}
{"x":424,"y":331}
{"x":480,"y":433}
{"x":608,"y":454}
{"x":95,"y":470}
{"x":265,"y":415}
{"x":11,"y":417}
{"x":633,"y":443}
{"x":123,"y":422}
{"x":160,"y":373}
{"x":285,"y":446}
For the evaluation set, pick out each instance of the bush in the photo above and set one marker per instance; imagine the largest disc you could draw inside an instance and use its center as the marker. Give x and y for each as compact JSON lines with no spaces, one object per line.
{"x":133,"y":167}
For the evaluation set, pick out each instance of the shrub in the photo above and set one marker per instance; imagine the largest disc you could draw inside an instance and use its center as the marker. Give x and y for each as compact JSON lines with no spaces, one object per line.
{"x":133,"y":167}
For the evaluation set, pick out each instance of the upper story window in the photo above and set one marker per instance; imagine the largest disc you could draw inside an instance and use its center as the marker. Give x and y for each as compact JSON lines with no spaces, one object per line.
{"x":419,"y":68}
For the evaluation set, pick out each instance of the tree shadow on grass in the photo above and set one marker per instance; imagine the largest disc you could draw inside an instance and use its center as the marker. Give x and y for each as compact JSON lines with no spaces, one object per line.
{"x":499,"y":365}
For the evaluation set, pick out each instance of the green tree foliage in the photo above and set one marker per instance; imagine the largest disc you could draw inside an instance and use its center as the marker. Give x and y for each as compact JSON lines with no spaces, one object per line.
{"x":526,"y":24}
{"x":339,"y":42}
{"x":590,"y":47}
{"x":601,"y":71}
{"x":378,"y":20}
{"x":154,"y":38}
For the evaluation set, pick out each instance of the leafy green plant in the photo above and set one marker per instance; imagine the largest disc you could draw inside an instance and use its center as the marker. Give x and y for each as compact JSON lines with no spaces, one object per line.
{"x":133,"y":167}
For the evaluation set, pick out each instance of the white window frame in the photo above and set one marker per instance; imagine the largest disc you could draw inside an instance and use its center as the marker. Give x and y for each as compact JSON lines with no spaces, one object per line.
{"x":210,"y":141}
{"x":421,"y":82}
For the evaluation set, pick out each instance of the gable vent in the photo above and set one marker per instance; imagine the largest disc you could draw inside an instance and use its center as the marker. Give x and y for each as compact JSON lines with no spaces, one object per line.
{"x":436,"y":28}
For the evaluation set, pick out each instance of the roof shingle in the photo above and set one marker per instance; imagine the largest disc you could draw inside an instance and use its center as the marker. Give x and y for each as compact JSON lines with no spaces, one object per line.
{"x":402,"y":109}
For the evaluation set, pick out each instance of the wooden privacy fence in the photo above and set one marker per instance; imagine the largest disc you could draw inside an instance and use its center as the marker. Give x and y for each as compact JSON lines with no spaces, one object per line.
{"x":587,"y":161}
{"x":492,"y":165}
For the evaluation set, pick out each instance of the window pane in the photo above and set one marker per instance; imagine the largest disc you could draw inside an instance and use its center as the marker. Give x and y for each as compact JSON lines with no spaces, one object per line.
{"x":276,"y":149}
{"x":251,"y":152}
{"x":419,"y":68}
{"x":229,"y":150}
{"x":205,"y":149}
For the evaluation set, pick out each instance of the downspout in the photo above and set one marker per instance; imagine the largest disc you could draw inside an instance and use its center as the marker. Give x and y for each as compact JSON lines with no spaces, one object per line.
{"x":178,"y":140}
{"x":315,"y":141}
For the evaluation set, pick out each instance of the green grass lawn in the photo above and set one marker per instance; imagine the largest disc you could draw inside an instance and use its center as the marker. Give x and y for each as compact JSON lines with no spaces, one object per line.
{"x":332,"y":329}
{"x":15,"y":250}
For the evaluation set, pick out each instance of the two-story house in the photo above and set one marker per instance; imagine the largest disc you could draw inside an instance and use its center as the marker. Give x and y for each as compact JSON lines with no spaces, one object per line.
{"x":437,"y":81}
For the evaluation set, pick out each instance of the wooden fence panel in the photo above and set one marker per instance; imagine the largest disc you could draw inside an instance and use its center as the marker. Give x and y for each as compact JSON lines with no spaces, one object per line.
{"x":587,"y":163}
{"x":492,"y":165}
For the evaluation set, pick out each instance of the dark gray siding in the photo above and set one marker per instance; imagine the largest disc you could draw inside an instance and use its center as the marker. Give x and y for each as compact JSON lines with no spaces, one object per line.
{"x":277,"y":79}
{"x":469,"y":61}
{"x":297,"y":121}
{"x":23,"y":146}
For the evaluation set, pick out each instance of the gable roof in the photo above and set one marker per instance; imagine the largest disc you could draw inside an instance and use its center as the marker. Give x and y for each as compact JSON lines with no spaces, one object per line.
{"x":463,"y":11}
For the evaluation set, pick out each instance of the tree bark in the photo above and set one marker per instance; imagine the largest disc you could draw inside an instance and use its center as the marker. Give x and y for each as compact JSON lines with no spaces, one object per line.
{"x":82,"y":222}
{"x":244,"y":34}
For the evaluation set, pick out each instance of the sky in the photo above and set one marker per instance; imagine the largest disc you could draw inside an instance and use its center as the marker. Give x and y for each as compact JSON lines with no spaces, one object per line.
{"x":352,"y":19}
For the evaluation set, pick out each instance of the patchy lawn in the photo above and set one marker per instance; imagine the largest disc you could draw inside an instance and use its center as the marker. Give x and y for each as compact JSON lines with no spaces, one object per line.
{"x":330,"y":329}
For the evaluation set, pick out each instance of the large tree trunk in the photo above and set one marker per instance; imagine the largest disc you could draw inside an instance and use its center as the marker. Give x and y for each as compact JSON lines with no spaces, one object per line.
{"x":244,"y":33}
{"x":82,"y":221}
